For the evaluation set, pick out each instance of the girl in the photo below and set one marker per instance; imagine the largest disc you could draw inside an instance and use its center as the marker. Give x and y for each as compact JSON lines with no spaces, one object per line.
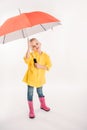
{"x":38,"y":62}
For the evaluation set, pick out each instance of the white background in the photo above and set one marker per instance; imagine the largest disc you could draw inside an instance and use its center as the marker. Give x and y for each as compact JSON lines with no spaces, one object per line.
{"x":66,"y":87}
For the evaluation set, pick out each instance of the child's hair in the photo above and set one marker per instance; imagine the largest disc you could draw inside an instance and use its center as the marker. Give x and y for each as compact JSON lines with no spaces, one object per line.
{"x":32,"y":39}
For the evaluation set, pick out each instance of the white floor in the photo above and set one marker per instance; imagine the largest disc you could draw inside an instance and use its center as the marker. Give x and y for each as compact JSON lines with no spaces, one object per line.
{"x":68,"y":107}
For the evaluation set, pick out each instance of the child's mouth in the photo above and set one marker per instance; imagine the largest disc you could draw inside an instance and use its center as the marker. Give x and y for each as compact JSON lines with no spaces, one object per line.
{"x":37,"y":48}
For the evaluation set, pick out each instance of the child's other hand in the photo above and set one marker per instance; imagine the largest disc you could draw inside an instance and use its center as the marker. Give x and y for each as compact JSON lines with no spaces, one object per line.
{"x":38,"y":66}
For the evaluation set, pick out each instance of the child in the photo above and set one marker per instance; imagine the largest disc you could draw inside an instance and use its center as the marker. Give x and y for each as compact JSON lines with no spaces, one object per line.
{"x":38,"y":62}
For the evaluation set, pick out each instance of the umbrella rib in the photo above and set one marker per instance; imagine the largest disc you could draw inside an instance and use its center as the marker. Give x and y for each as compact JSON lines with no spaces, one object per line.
{"x":43,"y":27}
{"x":4,"y":39}
{"x":23,"y":33}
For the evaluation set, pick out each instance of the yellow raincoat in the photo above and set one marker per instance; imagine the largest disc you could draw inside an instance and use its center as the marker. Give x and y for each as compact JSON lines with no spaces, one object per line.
{"x":36,"y":77}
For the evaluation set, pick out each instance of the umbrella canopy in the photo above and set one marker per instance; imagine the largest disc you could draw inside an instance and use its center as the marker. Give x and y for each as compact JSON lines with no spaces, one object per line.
{"x":26,"y":24}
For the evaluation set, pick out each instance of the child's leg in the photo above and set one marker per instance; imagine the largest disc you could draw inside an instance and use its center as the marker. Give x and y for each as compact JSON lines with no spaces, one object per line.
{"x":30,"y":93}
{"x":30,"y":101}
{"x":42,"y":99}
{"x":40,"y":92}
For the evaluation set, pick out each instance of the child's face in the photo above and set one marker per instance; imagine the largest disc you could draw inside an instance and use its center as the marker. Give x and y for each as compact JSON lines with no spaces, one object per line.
{"x":35,"y":45}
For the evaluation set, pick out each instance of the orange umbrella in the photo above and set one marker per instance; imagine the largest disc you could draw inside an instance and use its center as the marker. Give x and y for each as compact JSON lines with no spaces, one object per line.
{"x":26,"y":24}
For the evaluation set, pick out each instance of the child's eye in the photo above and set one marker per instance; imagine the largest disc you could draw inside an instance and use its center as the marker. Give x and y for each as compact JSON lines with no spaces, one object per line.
{"x":36,"y":43}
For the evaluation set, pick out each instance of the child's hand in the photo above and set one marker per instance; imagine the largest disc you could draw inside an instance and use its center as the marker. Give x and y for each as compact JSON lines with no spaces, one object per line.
{"x":38,"y":66}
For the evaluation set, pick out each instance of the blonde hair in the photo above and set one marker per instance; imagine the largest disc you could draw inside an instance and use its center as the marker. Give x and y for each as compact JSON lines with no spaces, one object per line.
{"x":32,"y":39}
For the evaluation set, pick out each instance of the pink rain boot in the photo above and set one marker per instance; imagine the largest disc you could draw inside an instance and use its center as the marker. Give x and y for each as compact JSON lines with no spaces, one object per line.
{"x":31,"y":113}
{"x":43,"y":104}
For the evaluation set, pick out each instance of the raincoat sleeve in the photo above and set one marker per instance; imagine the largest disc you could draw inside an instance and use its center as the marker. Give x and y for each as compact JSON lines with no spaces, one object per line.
{"x":29,"y":62}
{"x":26,"y":60}
{"x":48,"y":62}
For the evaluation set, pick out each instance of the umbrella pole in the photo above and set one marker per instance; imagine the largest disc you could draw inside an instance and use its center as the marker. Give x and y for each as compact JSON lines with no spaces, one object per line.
{"x":22,"y":29}
{"x":28,"y":43}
